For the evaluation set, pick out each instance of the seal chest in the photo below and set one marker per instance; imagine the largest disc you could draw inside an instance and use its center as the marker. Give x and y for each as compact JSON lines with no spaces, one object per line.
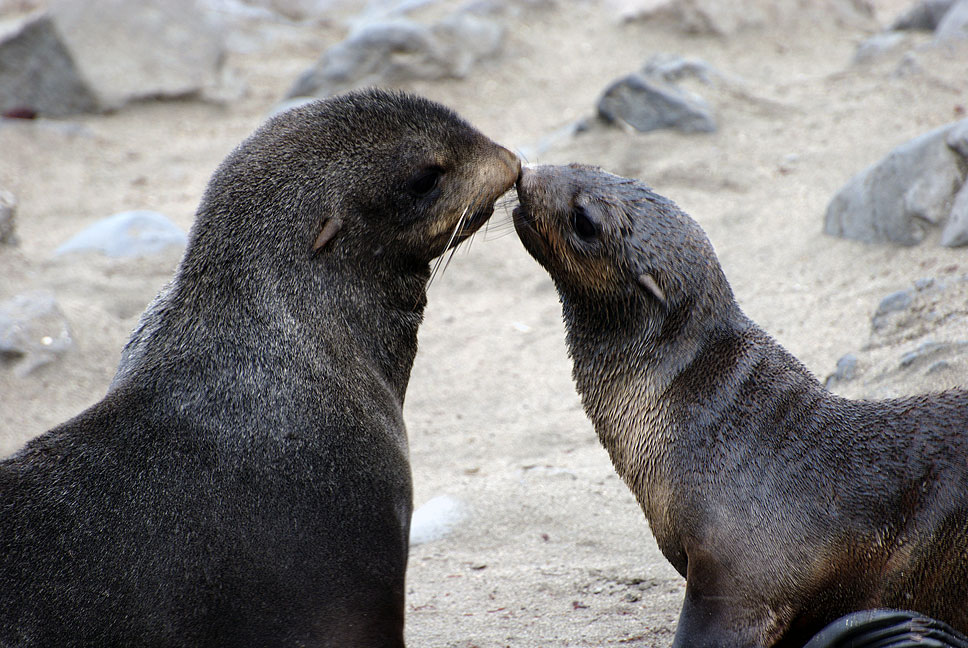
{"x":245,"y":480}
{"x":783,"y":505}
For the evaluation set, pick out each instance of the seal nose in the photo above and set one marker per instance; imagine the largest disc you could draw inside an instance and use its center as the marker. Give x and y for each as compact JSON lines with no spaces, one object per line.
{"x":525,"y":177}
{"x":513,"y":163}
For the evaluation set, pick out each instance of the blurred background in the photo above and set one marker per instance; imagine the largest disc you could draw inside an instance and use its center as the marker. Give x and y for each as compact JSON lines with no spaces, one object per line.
{"x":822,"y":144}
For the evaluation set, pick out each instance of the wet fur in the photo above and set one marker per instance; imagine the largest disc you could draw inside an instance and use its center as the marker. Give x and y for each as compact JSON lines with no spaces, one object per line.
{"x":245,"y":481}
{"x":783,"y":505}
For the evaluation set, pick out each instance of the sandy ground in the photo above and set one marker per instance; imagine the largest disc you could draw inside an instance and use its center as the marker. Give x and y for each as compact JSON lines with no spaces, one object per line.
{"x":553,"y":551}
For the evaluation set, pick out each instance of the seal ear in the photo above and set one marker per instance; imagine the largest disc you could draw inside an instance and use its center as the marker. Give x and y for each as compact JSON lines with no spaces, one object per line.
{"x":648,"y":282}
{"x":330,"y":228}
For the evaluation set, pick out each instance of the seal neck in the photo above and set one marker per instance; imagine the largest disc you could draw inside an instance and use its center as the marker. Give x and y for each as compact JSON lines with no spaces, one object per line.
{"x":372,"y":316}
{"x":332,"y":320}
{"x":624,"y":372}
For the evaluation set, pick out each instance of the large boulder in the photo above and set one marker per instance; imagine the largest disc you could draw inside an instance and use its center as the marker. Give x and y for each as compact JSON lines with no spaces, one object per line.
{"x":720,"y":18}
{"x":925,"y":15}
{"x":145,"y":49}
{"x":648,"y":103}
{"x":654,"y":98}
{"x":397,"y":50}
{"x":954,"y":25}
{"x":899,"y":199}
{"x":948,"y":19}
{"x":38,"y":72}
{"x":126,"y":234}
{"x":100,"y":54}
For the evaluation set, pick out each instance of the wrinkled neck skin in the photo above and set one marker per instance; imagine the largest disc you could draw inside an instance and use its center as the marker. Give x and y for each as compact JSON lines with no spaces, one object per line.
{"x":628,"y":356}
{"x":334,"y":316}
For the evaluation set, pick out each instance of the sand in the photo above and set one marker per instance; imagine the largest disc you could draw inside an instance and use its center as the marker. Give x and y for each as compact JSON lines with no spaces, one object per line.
{"x":553,"y":550}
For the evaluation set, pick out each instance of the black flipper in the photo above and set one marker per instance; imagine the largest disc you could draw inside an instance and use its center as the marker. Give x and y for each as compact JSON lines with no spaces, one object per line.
{"x":887,"y":629}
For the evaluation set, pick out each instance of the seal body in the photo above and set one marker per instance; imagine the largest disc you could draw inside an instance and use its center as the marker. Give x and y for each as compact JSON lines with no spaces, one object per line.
{"x":245,"y":481}
{"x":784,"y":506}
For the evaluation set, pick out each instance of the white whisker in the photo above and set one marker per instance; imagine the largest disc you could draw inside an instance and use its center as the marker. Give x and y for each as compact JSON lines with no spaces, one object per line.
{"x":453,"y":235}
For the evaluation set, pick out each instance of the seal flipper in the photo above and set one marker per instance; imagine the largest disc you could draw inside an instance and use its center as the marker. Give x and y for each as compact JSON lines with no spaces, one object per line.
{"x":703,"y":623}
{"x":887,"y":629}
{"x":711,"y":616}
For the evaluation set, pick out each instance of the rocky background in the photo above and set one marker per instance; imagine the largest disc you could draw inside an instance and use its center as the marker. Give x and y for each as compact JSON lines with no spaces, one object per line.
{"x":822,"y":144}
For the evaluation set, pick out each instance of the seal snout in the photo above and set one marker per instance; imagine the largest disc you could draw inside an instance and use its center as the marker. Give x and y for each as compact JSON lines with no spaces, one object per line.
{"x":525,"y":186}
{"x":494,"y":176}
{"x":503,"y":170}
{"x":513,"y":163}
{"x":521,"y":213}
{"x":525,"y":178}
{"x":529,"y":212}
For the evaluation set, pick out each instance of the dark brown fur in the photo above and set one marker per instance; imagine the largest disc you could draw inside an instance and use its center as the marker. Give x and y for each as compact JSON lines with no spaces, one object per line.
{"x":245,"y":481}
{"x":783,"y":505}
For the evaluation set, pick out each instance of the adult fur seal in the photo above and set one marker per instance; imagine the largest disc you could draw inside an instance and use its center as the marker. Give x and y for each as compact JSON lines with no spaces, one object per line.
{"x":783,"y":505}
{"x":245,"y":481}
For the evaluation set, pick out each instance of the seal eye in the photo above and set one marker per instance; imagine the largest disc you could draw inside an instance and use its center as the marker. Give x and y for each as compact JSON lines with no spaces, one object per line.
{"x":582,"y":224}
{"x":422,"y":184}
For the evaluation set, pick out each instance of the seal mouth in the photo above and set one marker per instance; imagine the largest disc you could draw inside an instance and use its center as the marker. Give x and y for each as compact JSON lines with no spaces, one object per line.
{"x":472,"y":224}
{"x":526,"y":225}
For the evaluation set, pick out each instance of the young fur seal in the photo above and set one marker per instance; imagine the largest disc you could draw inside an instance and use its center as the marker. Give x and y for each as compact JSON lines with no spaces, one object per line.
{"x":245,"y":481}
{"x":783,"y":505}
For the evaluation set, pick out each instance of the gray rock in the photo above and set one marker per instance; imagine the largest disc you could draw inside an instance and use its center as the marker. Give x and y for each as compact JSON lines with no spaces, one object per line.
{"x":146,"y":49}
{"x":878,"y":46}
{"x":33,"y":331}
{"x":893,"y":303}
{"x":239,"y":12}
{"x":954,"y":25}
{"x":302,"y":9}
{"x":931,"y":193}
{"x":651,"y":103}
{"x":918,"y":343}
{"x":929,"y":352}
{"x":896,"y":301}
{"x":719,"y":18}
{"x":8,"y":214}
{"x":925,"y":283}
{"x":697,"y":16}
{"x":898,"y":198}
{"x":399,"y":50}
{"x":37,"y":72}
{"x":957,"y":138}
{"x":378,"y":53}
{"x":923,"y":16}
{"x":127,"y":234}
{"x":846,"y":371}
{"x":955,"y":232}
